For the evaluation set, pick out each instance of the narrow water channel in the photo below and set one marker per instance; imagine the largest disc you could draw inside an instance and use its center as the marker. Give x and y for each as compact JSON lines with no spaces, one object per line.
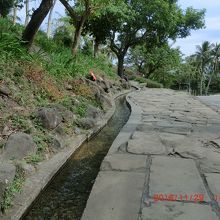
{"x":66,"y":196}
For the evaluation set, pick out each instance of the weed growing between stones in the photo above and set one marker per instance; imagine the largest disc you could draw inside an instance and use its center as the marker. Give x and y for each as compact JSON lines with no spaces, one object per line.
{"x":34,"y":158}
{"x":14,"y":187}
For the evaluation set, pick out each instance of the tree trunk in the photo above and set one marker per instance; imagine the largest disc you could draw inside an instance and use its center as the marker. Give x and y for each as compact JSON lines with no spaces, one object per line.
{"x":15,"y":12}
{"x":36,"y":20}
{"x":121,"y":66}
{"x":49,"y":23}
{"x":27,"y":6}
{"x":209,"y":82}
{"x":78,"y":32}
{"x":96,"y":48}
{"x":201,"y":84}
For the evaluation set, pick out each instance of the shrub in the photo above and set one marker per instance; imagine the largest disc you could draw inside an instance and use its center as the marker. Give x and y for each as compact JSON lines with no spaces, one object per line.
{"x":149,"y":83}
{"x":153,"y":84}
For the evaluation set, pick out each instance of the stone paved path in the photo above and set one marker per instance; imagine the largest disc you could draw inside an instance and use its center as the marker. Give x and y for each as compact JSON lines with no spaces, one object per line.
{"x":164,"y":165}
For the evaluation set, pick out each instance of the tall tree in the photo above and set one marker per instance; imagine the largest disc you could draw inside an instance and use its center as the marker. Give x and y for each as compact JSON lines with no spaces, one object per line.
{"x":80,"y":12}
{"x":18,"y":4}
{"x":79,"y":20}
{"x":49,"y":22}
{"x":152,"y":22}
{"x":148,"y":61}
{"x":203,"y":57}
{"x":27,"y":11}
{"x":215,"y":65}
{"x":36,"y":20}
{"x":15,"y":12}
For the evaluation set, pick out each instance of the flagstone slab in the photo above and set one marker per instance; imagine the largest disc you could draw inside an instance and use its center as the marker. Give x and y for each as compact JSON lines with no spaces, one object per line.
{"x":115,"y":195}
{"x":178,"y":211}
{"x":169,"y":175}
{"x":145,"y":143}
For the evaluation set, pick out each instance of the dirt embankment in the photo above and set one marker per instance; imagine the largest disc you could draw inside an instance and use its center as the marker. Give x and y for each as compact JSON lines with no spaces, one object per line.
{"x":39,"y":116}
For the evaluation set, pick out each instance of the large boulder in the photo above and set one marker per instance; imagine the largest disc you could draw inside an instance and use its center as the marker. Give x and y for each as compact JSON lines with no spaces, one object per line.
{"x":18,"y":146}
{"x":7,"y":174}
{"x":104,"y":85}
{"x":57,"y":142}
{"x":93,"y":112}
{"x":125,"y":84}
{"x":105,"y":101}
{"x":86,"y":123}
{"x":67,"y":115}
{"x":4,"y":90}
{"x":50,"y":117}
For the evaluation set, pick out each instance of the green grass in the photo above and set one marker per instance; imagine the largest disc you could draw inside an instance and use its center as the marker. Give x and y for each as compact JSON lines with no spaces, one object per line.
{"x":62,"y":63}
{"x":14,"y":187}
{"x":34,"y":158}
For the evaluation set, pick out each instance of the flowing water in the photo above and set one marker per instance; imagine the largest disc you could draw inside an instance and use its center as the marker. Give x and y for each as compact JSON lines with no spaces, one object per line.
{"x":66,"y":196}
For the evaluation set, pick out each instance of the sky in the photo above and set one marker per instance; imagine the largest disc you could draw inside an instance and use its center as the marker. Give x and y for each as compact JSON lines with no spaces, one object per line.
{"x":187,"y":45}
{"x":212,"y":22}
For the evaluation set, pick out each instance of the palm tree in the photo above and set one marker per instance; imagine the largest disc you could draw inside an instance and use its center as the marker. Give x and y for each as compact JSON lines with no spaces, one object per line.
{"x":203,"y":57}
{"x":215,"y":53}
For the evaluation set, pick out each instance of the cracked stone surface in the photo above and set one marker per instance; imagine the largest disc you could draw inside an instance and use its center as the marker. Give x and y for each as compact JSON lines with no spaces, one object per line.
{"x":178,"y":211}
{"x":177,"y":176}
{"x":124,"y":162}
{"x":170,"y":147}
{"x":144,"y":143}
{"x":213,"y":183}
{"x":115,"y":195}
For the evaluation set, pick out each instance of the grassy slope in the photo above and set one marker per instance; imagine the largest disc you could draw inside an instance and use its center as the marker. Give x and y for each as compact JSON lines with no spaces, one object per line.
{"x":39,"y":79}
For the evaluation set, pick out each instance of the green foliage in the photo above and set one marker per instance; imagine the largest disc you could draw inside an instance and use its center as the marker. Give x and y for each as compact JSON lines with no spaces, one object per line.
{"x":153,"y":84}
{"x":81,"y":108}
{"x":151,"y":61}
{"x":21,"y":123}
{"x":9,"y":41}
{"x":14,"y":187}
{"x":41,"y":141}
{"x":61,"y":62}
{"x":34,"y":159}
{"x":149,"y":83}
{"x":5,"y":7}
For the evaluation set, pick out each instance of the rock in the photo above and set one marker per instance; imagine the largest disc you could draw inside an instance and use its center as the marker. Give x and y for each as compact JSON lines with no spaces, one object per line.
{"x":18,"y":146}
{"x":68,"y":87}
{"x":4,"y":90}
{"x":26,"y":168}
{"x":105,"y":85}
{"x":7,"y":174}
{"x":68,"y":116}
{"x":59,"y":130}
{"x":105,"y":101}
{"x":125,"y":84}
{"x":93,"y":112}
{"x":86,"y":123}
{"x":50,"y":117}
{"x":77,"y":131}
{"x":6,"y":131}
{"x":56,"y":142}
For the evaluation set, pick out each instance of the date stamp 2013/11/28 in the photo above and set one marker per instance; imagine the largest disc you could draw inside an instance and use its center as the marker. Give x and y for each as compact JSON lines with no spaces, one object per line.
{"x":197,"y":197}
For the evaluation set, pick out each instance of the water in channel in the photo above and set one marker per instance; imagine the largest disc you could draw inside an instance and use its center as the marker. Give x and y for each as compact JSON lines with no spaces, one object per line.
{"x":66,"y":196}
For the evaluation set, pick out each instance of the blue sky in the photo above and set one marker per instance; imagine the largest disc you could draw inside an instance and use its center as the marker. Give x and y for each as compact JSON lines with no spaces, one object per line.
{"x":187,"y":45}
{"x":212,"y":20}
